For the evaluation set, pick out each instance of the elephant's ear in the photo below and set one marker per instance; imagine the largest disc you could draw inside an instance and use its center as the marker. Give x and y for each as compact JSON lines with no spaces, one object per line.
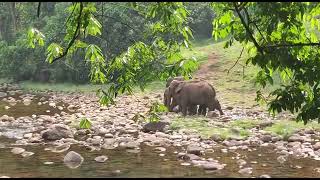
{"x":179,"y":88}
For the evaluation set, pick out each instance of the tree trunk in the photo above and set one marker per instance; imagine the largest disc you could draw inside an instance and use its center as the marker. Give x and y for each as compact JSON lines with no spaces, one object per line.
{"x":13,"y":16}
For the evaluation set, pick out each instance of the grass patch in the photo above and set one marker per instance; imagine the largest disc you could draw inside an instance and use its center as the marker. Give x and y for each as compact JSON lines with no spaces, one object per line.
{"x":201,"y":125}
{"x":286,"y":128}
{"x":244,"y":123}
{"x":5,"y":80}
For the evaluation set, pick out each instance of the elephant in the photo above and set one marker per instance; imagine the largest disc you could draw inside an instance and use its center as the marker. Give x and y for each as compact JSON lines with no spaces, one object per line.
{"x":167,"y":99}
{"x":188,"y":94}
{"x":178,"y":78}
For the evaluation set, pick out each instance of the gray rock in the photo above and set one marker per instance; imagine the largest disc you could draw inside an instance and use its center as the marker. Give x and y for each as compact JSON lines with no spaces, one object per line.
{"x":212,"y":166}
{"x":101,"y":159}
{"x":73,"y":160}
{"x":316,"y":146}
{"x":160,"y":149}
{"x":194,"y":149}
{"x":155,"y":126}
{"x":296,"y":137}
{"x":266,"y":138}
{"x":6,"y":118}
{"x":130,"y":145}
{"x":3,"y":94}
{"x":60,"y":148}
{"x":102,"y":131}
{"x":246,"y":171}
{"x":56,"y":132}
{"x":17,"y":150}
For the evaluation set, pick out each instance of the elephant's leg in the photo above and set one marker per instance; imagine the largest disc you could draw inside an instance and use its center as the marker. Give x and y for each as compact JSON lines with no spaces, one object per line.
{"x":184,"y":108}
{"x":192,"y":109}
{"x":203,"y":110}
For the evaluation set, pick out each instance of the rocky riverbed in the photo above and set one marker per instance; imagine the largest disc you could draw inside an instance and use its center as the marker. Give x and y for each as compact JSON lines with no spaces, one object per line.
{"x":49,"y":127}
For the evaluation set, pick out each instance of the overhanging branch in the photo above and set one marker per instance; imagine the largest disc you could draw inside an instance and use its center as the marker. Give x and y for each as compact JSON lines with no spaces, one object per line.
{"x":247,"y":28}
{"x":75,"y":35}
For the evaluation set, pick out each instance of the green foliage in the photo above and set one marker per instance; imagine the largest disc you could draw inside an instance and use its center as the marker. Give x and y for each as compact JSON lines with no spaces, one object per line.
{"x":278,"y":42}
{"x":154,"y":110}
{"x":85,"y":123}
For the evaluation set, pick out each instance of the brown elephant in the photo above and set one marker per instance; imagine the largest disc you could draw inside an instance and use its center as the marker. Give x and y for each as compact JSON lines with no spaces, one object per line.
{"x":188,"y":94}
{"x":178,"y":78}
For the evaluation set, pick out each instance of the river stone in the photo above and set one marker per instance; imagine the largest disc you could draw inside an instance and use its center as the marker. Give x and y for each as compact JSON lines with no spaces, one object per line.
{"x":241,"y":162}
{"x":56,"y":132}
{"x":155,"y":126}
{"x":73,"y":160}
{"x":27,"y":154}
{"x":27,"y":135}
{"x":281,"y":159}
{"x":296,"y":137}
{"x":108,"y":135}
{"x":246,"y":171}
{"x":212,"y":114}
{"x":3,"y":94}
{"x":194,"y":149}
{"x":101,"y":159}
{"x":316,"y":146}
{"x":130,"y":145}
{"x":212,"y":166}
{"x":6,"y":118}
{"x":17,"y":150}
{"x":48,"y":163}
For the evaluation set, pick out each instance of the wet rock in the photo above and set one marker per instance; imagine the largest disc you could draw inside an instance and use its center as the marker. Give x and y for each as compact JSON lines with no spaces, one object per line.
{"x":155,"y":126}
{"x":109,"y":144}
{"x":295,"y":137}
{"x":266,"y":138}
{"x":73,"y":159}
{"x":194,"y":149}
{"x":245,"y":171}
{"x":6,"y":107}
{"x":316,"y":146}
{"x":135,"y":151}
{"x":101,"y":159}
{"x":17,"y":150}
{"x":27,"y":154}
{"x":96,"y":140}
{"x":129,"y":145}
{"x":60,"y":148}
{"x":6,"y":118}
{"x":56,"y":132}
{"x":265,"y":176}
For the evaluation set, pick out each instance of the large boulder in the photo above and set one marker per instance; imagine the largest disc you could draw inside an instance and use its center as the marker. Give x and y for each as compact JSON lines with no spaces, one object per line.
{"x":56,"y":132}
{"x":155,"y":126}
{"x":73,"y":159}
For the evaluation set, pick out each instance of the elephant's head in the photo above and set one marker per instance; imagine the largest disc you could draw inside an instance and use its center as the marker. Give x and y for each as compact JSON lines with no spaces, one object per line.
{"x":179,"y":78}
